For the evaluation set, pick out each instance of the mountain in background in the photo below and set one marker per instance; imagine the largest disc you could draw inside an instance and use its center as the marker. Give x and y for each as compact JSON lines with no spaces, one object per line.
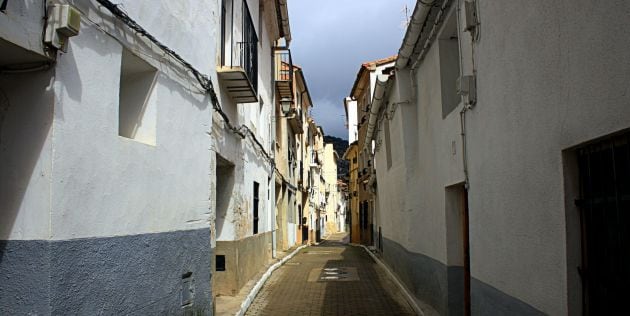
{"x":340,"y":146}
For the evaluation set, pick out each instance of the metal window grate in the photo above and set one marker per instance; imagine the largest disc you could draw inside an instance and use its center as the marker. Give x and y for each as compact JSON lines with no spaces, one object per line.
{"x":256,"y":201}
{"x":249,"y":48}
{"x":605,"y":216}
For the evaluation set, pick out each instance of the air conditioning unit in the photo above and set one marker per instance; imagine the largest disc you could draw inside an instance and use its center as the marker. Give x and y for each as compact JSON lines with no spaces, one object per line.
{"x":64,"y":21}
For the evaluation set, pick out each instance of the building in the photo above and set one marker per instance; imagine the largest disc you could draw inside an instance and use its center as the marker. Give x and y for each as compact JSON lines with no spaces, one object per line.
{"x":501,"y":157}
{"x":342,"y":206}
{"x":252,"y":87}
{"x":291,"y":194}
{"x":304,"y":104}
{"x":351,"y":155}
{"x":138,"y":166}
{"x":287,"y":128}
{"x":361,"y":98}
{"x":105,"y":157}
{"x":350,"y":108}
{"x":316,"y":181}
{"x":331,"y":192}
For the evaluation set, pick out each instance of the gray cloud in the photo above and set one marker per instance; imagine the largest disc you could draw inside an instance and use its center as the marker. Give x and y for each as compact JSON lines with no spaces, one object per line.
{"x":332,"y":38}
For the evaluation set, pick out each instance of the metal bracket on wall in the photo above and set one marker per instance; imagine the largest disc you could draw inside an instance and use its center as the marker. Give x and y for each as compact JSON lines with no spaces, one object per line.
{"x":470,"y":13}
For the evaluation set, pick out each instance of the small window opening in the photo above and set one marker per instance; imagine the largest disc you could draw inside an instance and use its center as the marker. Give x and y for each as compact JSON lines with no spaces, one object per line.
{"x":388,"y":144}
{"x":220,"y":264}
{"x":256,"y":199}
{"x":137,"y":113}
{"x":449,"y":64}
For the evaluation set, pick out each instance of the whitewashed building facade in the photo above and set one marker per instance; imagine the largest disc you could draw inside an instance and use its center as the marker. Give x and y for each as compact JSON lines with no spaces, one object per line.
{"x":130,"y":158}
{"x":502,"y":157}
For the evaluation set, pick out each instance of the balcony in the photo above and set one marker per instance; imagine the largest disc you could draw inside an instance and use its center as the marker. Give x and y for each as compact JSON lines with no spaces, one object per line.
{"x":239,"y":67}
{"x":284,"y":73}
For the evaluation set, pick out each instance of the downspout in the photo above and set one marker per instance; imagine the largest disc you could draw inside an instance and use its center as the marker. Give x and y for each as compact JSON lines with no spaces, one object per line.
{"x":272,"y":183}
{"x":382,"y":83}
{"x":462,"y":113}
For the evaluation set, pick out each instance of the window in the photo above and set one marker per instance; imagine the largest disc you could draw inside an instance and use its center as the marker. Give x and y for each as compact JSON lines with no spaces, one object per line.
{"x":448,"y":46}
{"x":604,"y":208}
{"x":256,"y":198}
{"x":388,"y":144}
{"x":239,"y":52}
{"x":223,"y":34}
{"x":249,"y":48}
{"x":137,"y":113}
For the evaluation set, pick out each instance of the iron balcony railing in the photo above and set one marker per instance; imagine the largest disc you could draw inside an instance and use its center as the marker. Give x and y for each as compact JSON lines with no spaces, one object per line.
{"x":249,"y":49}
{"x":284,"y":65}
{"x":283,"y":75}
{"x":245,"y":53}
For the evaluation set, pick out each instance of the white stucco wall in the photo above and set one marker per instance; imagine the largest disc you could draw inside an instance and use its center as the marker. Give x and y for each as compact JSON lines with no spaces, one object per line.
{"x":91,"y":182}
{"x":411,"y":193}
{"x":250,"y":164}
{"x":22,"y":25}
{"x":533,"y":104}
{"x":27,"y":103}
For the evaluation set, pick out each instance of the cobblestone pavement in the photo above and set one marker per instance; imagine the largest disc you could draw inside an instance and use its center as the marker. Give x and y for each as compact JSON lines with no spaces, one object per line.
{"x":330,"y":279}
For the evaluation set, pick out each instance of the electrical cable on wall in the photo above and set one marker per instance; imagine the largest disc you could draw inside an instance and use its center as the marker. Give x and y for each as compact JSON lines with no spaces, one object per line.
{"x":206,"y":83}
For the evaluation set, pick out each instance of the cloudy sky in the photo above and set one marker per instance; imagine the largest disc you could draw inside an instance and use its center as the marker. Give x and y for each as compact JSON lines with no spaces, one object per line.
{"x":332,"y":38}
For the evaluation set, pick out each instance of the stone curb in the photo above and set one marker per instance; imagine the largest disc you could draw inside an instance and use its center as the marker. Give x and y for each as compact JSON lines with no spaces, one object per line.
{"x":252,"y":294}
{"x":410,"y":299}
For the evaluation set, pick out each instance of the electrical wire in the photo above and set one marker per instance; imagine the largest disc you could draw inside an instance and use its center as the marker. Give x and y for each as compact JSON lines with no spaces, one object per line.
{"x":206,"y":83}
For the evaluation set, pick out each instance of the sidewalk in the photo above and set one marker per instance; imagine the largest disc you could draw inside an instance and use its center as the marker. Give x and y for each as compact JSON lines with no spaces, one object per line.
{"x":330,"y":279}
{"x":230,"y":305}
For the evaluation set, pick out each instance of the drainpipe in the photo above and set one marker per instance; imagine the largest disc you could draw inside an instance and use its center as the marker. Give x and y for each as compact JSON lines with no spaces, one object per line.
{"x":419,"y":16}
{"x":462,"y":114}
{"x":272,"y":183}
{"x":382,"y":84}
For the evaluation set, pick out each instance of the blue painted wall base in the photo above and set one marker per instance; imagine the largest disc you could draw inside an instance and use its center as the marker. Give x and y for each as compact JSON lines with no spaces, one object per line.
{"x":140,"y":274}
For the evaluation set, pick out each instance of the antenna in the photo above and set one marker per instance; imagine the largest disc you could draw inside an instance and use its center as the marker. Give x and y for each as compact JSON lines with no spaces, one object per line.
{"x":405,"y":22}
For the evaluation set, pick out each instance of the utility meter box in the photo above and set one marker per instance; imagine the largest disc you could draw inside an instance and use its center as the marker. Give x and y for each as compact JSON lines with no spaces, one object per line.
{"x":69,"y":21}
{"x":64,"y":21}
{"x":470,"y":14}
{"x":467,"y":87}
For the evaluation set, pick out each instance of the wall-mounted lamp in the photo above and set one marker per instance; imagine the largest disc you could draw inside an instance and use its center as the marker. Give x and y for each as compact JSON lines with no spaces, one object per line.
{"x":285,"y":105}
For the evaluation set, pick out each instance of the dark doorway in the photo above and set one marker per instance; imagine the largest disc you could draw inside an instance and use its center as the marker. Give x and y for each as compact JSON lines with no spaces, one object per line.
{"x":458,"y":251}
{"x":466,"y":242}
{"x":604,"y":205}
{"x":256,"y":199}
{"x":224,"y":188}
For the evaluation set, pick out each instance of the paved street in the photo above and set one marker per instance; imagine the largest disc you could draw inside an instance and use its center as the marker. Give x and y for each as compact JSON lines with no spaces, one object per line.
{"x":330,"y":279}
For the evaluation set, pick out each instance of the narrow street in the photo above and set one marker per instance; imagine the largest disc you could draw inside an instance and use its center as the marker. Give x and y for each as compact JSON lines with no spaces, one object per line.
{"x":333,"y":278}
{"x":457,"y":157}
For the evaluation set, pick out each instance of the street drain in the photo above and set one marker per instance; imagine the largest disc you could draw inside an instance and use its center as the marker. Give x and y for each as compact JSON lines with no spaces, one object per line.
{"x":333,"y":274}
